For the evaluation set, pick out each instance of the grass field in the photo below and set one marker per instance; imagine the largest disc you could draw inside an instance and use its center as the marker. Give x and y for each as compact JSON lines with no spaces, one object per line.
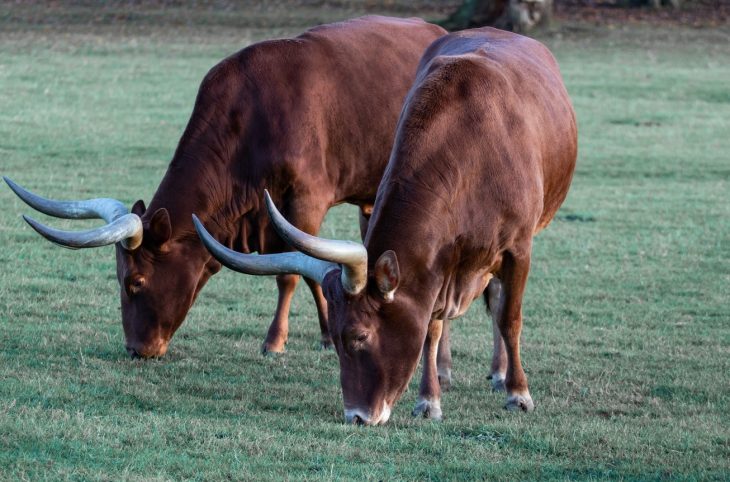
{"x":627,"y":339}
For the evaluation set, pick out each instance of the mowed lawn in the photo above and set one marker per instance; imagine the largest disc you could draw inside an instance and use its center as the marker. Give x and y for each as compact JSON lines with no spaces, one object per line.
{"x":626,"y":341}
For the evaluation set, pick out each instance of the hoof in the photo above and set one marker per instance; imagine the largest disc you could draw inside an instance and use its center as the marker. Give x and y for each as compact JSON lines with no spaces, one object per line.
{"x":520,"y":402}
{"x":445,"y":380}
{"x":428,"y":409}
{"x":497,"y":380}
{"x":326,"y":344}
{"x":272,"y":349}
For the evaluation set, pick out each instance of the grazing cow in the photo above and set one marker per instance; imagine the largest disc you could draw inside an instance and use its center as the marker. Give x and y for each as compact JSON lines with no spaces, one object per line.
{"x":483,"y":157}
{"x":312,"y":118}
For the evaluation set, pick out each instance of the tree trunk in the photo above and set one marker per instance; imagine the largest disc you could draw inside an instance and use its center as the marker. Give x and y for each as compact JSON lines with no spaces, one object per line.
{"x":515,"y":15}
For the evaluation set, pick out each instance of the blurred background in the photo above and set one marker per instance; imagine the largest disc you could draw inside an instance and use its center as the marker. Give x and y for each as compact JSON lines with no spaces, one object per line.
{"x":518,"y":15}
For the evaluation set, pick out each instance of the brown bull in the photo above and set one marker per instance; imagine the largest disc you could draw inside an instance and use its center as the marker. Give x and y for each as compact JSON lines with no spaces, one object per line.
{"x":483,"y":157}
{"x":312,"y":118}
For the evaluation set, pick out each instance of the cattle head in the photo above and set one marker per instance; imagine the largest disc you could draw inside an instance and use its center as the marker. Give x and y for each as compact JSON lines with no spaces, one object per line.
{"x":378,"y":334}
{"x":378,"y":340}
{"x":159,"y":277}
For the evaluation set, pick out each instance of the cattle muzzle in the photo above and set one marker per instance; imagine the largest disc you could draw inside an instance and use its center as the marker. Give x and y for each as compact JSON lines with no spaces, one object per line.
{"x":358,"y":416}
{"x":153,"y":350}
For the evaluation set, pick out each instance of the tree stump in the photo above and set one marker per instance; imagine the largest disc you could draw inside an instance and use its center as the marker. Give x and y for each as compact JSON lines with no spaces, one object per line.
{"x":515,"y":15}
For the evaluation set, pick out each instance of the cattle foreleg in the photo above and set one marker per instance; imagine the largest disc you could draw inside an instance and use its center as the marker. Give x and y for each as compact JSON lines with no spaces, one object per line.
{"x":495,"y":303}
{"x":306,"y":214}
{"x":514,"y":278}
{"x":279,"y":329}
{"x":321,"y":302}
{"x":429,"y":396}
{"x":443,"y":359}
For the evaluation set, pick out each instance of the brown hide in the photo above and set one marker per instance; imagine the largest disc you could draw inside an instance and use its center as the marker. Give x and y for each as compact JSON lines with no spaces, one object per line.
{"x":483,"y":157}
{"x":309,"y":118}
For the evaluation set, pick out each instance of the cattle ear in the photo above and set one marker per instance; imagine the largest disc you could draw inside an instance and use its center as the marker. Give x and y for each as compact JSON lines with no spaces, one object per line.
{"x":387,"y":274}
{"x":139,"y":208}
{"x":160,"y":227}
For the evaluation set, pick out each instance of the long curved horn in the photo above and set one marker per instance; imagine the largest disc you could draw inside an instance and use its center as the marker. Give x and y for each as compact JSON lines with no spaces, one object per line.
{"x":352,"y":256}
{"x":264,"y":264}
{"x":121,"y":225}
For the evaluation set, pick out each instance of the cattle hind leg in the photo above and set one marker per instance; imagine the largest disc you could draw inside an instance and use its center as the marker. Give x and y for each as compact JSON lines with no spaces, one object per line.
{"x":513,"y":275}
{"x":495,"y":302}
{"x":429,"y":396}
{"x":443,"y":358}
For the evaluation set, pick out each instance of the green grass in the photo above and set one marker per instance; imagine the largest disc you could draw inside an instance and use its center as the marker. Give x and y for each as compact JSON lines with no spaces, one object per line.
{"x":626,"y":345}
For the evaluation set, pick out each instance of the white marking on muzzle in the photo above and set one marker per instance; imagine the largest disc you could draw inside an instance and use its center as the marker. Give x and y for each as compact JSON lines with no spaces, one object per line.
{"x":384,"y":413}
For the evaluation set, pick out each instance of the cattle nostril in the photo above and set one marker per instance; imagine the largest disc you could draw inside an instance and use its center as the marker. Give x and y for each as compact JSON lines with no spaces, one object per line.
{"x":357,"y":420}
{"x":133,"y":353}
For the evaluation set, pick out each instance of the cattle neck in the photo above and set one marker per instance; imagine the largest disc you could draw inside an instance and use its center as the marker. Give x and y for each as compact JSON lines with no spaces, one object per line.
{"x":192,"y":187}
{"x":421,"y":214}
{"x":210,"y":174}
{"x":416,"y":244}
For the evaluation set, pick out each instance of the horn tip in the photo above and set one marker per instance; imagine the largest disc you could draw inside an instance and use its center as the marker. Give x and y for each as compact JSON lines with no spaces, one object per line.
{"x":196,"y":222}
{"x":270,"y":205}
{"x":202,"y":232}
{"x":41,"y":229}
{"x":19,"y":190}
{"x":11,"y":183}
{"x":38,"y":227}
{"x":209,"y":242}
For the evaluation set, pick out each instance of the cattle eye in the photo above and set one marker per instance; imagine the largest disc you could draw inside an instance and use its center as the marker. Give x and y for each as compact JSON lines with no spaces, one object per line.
{"x":357,"y":341}
{"x":135,"y":285}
